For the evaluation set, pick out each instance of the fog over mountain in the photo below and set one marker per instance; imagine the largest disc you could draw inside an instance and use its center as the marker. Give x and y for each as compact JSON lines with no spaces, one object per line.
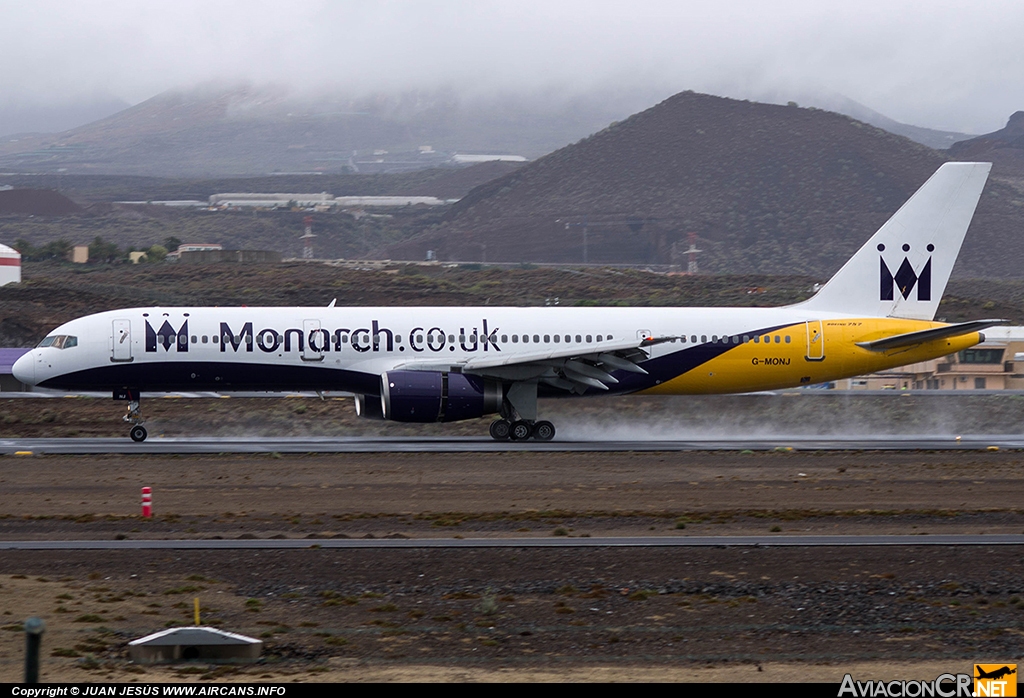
{"x":947,"y":66}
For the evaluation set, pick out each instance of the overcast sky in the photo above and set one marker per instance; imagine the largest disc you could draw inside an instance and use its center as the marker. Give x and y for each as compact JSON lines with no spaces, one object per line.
{"x":948,"y":65}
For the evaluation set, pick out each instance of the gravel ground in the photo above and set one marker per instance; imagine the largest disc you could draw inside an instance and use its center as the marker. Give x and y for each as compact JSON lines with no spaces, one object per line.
{"x":528,"y":610}
{"x":519,"y":614}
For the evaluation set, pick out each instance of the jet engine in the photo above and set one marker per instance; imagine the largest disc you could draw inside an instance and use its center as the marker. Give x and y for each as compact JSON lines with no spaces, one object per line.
{"x":369,"y":407}
{"x":437,"y":396}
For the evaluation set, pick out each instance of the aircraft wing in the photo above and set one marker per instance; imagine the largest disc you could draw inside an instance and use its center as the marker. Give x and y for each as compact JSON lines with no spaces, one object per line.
{"x":573,"y":368}
{"x":911,"y":338}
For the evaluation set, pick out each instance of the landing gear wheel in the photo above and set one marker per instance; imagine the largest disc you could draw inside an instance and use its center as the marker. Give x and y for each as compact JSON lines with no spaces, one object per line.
{"x":521,"y":430}
{"x":543,"y":431}
{"x":138,"y":433}
{"x":500,"y":429}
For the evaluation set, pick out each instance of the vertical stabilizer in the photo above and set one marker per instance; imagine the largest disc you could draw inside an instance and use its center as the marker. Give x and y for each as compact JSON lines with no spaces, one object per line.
{"x":903,"y":269}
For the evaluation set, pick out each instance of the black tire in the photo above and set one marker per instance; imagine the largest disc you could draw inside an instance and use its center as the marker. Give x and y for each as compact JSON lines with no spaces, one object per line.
{"x":500,"y":429}
{"x":138,"y":433}
{"x":521,"y":431}
{"x":543,"y":431}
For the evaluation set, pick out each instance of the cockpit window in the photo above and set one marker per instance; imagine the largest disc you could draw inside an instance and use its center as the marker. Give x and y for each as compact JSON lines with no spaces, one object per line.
{"x":59,"y":341}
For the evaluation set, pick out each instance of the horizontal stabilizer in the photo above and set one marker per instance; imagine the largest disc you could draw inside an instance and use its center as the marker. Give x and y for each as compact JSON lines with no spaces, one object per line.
{"x":911,"y":338}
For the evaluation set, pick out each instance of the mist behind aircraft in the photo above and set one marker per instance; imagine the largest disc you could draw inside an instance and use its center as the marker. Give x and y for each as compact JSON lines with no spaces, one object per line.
{"x":953,"y":67}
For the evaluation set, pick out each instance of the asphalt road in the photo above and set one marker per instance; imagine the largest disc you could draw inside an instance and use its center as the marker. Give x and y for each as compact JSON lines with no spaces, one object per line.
{"x":198,"y":445}
{"x":561,"y":542}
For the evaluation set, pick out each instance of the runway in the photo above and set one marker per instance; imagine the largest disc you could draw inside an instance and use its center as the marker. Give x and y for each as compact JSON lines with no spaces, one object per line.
{"x":796,"y":541}
{"x":357,"y":444}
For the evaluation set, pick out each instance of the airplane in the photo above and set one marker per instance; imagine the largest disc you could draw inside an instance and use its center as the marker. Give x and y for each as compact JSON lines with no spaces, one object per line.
{"x":994,"y":674}
{"x":442,"y":364}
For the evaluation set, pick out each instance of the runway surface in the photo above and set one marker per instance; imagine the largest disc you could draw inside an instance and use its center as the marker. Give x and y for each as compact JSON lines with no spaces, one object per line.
{"x":604,"y":542}
{"x":356,"y":444}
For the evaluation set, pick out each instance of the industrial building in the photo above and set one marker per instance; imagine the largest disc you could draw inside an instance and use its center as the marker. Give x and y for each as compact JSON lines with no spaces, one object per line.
{"x":8,"y":383}
{"x":322,"y":201}
{"x":10,"y":265}
{"x":995,"y":364}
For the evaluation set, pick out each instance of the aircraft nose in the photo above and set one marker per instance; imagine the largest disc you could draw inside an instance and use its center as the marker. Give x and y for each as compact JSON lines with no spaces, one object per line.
{"x":24,"y":369}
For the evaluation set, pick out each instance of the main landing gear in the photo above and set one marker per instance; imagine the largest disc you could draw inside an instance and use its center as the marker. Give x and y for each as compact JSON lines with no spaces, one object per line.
{"x":134,"y":417}
{"x":519,"y":416}
{"x":521,"y":430}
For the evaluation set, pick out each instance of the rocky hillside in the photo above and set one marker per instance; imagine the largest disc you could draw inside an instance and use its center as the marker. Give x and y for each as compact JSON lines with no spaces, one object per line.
{"x":1004,"y":148}
{"x":36,"y":202}
{"x":765,"y":188}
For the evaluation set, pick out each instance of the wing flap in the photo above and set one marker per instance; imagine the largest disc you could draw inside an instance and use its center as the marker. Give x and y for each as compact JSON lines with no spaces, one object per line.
{"x":573,"y":368}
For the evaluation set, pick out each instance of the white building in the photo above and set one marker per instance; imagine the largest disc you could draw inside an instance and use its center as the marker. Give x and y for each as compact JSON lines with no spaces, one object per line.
{"x":193,"y":247}
{"x":10,"y":265}
{"x":467,"y":158}
{"x":274,"y":200}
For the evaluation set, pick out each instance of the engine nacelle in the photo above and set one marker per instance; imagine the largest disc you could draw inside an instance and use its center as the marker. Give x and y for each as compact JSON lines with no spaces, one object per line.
{"x":437,"y":396}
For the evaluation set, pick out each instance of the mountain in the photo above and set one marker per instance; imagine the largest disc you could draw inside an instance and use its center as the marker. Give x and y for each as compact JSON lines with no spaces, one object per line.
{"x":216,"y":131}
{"x":38,"y":118}
{"x":212,"y":131}
{"x":1004,"y":148}
{"x":764,"y":188}
{"x":834,"y":101}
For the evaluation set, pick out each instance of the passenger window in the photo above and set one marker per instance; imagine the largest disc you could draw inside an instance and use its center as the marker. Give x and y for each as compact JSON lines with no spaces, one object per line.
{"x":579,"y":339}
{"x":195,"y":340}
{"x":693,"y":338}
{"x":757,"y":339}
{"x":568,"y":339}
{"x":462,"y":338}
{"x":451,"y":339}
{"x":778,"y":339}
{"x":515,"y":339}
{"x":746,"y":338}
{"x":205,"y":339}
{"x":419,"y":338}
{"x":526,"y":339}
{"x":703,"y":339}
{"x":714,"y":338}
{"x":547,"y":339}
{"x":609,"y":338}
{"x":536,"y":339}
{"x":504,"y":338}
{"x":557,"y":339}
{"x":787,"y":339}
{"x":589,"y":340}
{"x":216,"y":339}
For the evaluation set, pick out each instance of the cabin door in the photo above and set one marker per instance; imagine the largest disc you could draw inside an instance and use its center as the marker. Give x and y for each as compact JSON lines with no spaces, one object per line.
{"x":815,"y":341}
{"x":316,"y":341}
{"x":122,"y":347}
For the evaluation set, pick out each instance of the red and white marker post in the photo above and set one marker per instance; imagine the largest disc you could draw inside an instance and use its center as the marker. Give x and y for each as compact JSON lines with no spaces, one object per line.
{"x":147,"y":502}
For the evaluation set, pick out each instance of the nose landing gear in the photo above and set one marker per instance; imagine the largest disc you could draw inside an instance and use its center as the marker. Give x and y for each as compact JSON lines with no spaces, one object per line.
{"x":134,"y":417}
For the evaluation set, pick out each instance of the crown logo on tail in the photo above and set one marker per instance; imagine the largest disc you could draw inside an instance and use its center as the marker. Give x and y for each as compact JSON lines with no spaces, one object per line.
{"x":905,"y":278}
